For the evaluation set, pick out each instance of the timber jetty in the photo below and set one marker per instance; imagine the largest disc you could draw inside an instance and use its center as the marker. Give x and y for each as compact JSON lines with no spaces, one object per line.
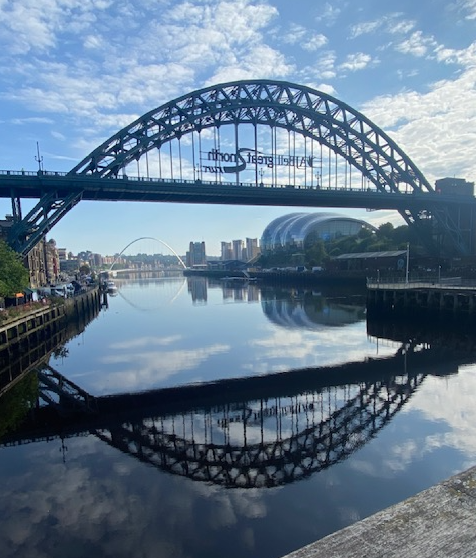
{"x":450,"y":298}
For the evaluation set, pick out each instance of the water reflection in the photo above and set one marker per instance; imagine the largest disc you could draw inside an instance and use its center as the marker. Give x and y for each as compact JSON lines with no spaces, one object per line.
{"x":22,"y":359}
{"x":35,"y":347}
{"x":285,"y":306}
{"x":252,"y":432}
{"x":293,"y":308}
{"x":243,"y":433}
{"x":364,"y":419}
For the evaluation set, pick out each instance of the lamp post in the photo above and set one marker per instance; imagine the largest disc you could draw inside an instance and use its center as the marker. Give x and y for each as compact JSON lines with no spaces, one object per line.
{"x":39,"y":159}
{"x":318,"y":180}
{"x":408,"y":262}
{"x":261,"y":173}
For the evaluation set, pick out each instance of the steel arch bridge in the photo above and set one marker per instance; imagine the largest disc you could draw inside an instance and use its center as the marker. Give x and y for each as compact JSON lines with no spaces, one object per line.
{"x":147,"y":238}
{"x":305,"y":145}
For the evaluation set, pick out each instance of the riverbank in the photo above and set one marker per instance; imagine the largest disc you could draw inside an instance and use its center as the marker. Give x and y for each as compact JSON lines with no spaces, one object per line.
{"x":29,"y":337}
{"x":437,"y":523}
{"x":285,"y":277}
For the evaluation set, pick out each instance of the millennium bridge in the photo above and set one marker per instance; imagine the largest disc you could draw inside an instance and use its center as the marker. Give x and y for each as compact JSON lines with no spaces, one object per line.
{"x":254,"y":142}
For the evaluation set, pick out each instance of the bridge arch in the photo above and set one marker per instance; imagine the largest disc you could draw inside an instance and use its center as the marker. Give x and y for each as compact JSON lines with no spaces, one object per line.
{"x":270,"y":125}
{"x":312,"y":114}
{"x":148,"y":238}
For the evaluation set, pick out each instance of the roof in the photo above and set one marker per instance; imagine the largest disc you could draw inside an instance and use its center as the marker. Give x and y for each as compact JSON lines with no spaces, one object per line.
{"x":371,"y":255}
{"x":294,"y":227}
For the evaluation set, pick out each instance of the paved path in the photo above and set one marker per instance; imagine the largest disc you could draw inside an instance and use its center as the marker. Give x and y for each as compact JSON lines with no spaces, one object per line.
{"x":437,"y":523}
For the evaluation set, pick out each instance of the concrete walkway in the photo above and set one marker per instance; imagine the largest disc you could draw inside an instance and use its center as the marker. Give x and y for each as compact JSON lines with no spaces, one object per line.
{"x":437,"y":523}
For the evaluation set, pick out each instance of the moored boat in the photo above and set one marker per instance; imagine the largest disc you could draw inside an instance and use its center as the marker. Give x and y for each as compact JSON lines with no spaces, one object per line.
{"x":111,"y":287}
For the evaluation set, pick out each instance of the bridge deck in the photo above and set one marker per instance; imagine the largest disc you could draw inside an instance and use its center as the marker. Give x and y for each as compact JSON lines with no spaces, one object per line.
{"x":437,"y":523}
{"x":128,"y":188}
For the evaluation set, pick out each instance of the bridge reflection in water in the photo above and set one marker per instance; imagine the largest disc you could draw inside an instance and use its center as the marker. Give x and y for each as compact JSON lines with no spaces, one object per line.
{"x":264,"y":442}
{"x":255,"y":432}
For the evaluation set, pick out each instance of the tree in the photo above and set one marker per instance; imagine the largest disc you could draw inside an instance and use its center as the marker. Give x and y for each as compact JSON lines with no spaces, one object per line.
{"x":14,"y":276}
{"x":385,"y":231}
{"x":315,"y":253}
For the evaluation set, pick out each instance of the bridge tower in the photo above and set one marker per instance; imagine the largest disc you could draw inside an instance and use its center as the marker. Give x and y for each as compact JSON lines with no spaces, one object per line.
{"x":462,"y":215}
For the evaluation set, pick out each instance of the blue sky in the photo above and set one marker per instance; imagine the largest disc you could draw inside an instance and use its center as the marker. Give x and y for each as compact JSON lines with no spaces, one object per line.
{"x":74,"y":72}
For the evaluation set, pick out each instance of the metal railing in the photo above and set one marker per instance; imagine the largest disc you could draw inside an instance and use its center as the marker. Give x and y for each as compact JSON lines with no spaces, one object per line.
{"x":421,"y":282}
{"x":199,"y":181}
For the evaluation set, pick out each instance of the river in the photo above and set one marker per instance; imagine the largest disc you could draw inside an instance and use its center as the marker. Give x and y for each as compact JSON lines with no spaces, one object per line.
{"x":232,"y":419}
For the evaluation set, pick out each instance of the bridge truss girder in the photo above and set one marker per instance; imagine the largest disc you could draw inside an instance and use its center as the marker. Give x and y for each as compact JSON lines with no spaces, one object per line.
{"x":25,"y":233}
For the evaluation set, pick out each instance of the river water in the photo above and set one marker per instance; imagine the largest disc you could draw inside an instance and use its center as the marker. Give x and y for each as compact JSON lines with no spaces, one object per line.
{"x":238,"y":420}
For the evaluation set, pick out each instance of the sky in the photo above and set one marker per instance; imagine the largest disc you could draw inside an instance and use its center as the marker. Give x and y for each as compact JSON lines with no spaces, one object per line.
{"x":74,"y":72}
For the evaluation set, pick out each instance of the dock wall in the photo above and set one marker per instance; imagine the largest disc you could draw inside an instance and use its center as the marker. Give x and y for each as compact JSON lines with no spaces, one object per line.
{"x":31,"y":339}
{"x":439,"y":522}
{"x":420,"y":300}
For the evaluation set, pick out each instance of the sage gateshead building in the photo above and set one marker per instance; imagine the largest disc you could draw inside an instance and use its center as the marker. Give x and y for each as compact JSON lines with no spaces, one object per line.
{"x":292,"y":230}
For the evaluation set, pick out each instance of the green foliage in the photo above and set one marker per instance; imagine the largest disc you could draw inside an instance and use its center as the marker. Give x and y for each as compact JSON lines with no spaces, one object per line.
{"x":16,"y":402}
{"x":317,"y":252}
{"x":385,"y":231}
{"x":14,"y":276}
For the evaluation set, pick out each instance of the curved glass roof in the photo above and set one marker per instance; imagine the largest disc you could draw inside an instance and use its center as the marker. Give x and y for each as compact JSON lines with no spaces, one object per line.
{"x":293,"y":228}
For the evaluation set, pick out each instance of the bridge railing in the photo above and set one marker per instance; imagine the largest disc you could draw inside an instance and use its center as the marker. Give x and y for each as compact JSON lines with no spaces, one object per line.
{"x":251,"y":184}
{"x":31,"y":173}
{"x":423,"y":282}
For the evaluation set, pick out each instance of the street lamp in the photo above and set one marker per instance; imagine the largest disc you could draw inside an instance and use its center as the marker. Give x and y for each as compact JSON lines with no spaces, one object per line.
{"x":318,"y":180}
{"x":39,"y":159}
{"x":261,"y":173}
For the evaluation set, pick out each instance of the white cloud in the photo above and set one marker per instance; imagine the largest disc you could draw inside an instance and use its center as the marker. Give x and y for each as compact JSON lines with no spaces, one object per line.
{"x":262,"y":61}
{"x":325,"y":66}
{"x":417,"y":45}
{"x":306,"y":39}
{"x":150,"y":341}
{"x":469,"y":6}
{"x":402,"y":27}
{"x":429,"y":126}
{"x":295,"y":34}
{"x":32,"y":120}
{"x":37,"y":26}
{"x":315,"y":43}
{"x":355,"y":62}
{"x":146,"y":69}
{"x":464,"y":57}
{"x":329,"y":14}
{"x":364,"y":28}
{"x":137,"y":371}
{"x":392,"y":23}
